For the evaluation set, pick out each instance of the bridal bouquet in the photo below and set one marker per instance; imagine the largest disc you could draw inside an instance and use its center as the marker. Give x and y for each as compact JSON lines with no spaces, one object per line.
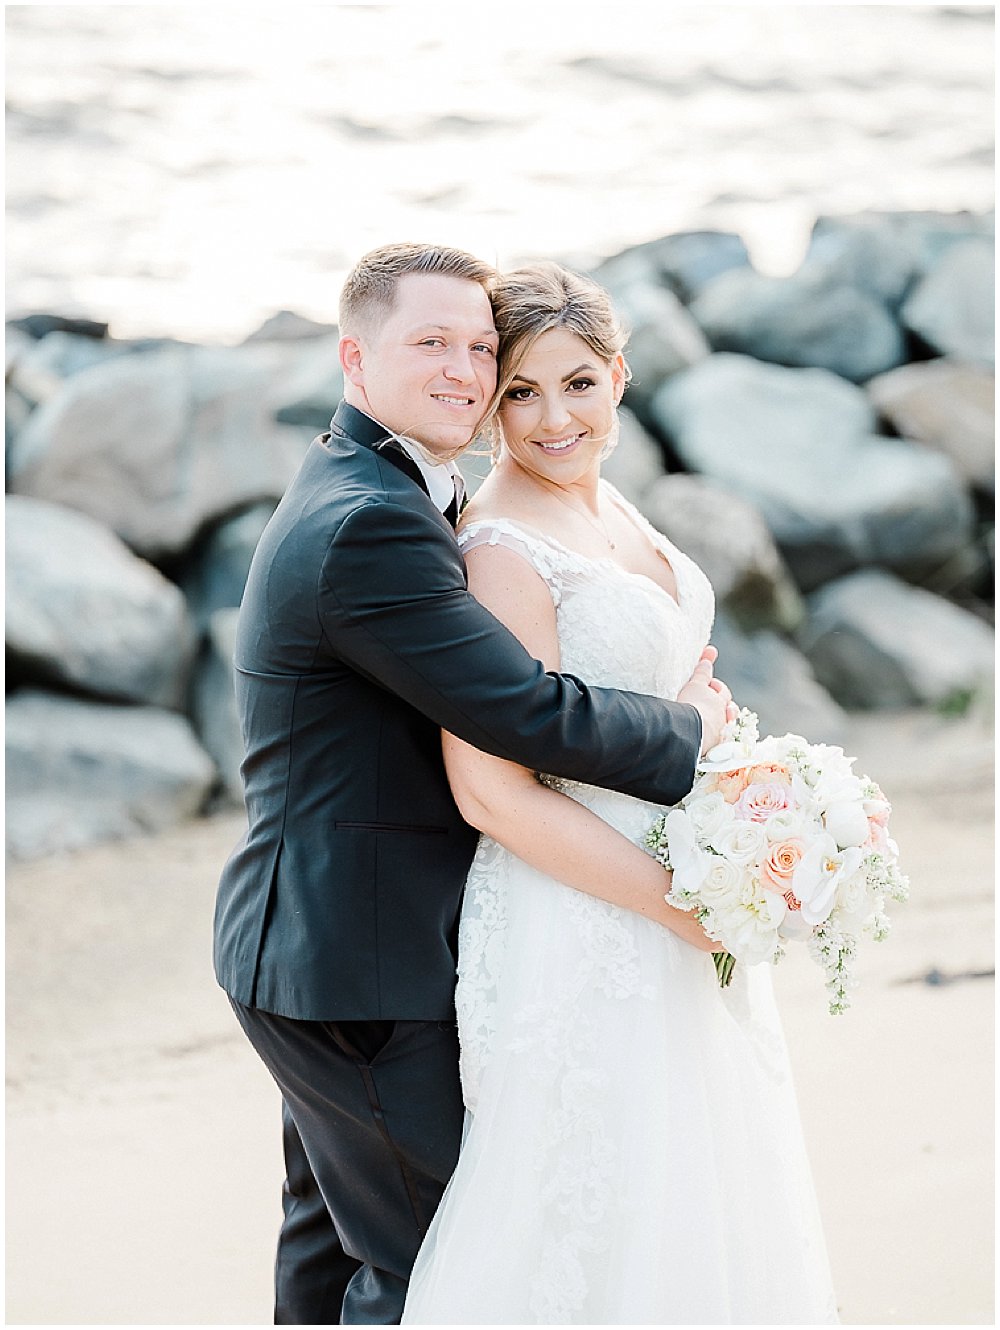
{"x":779,"y":841}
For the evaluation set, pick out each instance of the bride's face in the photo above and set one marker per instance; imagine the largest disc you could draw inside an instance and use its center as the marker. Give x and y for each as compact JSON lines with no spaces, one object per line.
{"x":559,"y":409}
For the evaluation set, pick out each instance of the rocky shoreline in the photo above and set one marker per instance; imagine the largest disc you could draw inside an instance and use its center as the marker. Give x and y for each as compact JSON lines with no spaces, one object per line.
{"x":821,"y":443}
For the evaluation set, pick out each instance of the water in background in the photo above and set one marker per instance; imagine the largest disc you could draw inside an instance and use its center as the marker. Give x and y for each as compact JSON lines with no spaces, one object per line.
{"x":189,"y":170}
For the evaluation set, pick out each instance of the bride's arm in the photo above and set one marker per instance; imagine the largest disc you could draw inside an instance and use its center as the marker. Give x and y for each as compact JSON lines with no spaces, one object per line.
{"x":545,"y":828}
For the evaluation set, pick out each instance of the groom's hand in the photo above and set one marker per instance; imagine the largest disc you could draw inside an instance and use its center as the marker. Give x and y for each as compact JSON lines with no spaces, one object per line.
{"x":710,"y":697}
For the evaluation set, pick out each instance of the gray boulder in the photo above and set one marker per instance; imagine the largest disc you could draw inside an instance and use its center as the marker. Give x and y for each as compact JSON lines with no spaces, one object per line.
{"x":40,"y":325}
{"x":772,"y":677}
{"x":475,"y":464}
{"x":663,"y":338}
{"x":731,"y":543}
{"x":157,"y":446}
{"x":41,"y":368}
{"x":286,"y":325}
{"x":798,"y":445}
{"x":215,"y":574}
{"x":921,"y":236}
{"x":684,"y":261}
{"x":81,"y":772}
{"x":308,"y":393}
{"x":946,"y":405}
{"x":214,"y":702}
{"x":84,"y":612}
{"x":636,"y":464}
{"x":809,"y":319}
{"x":866,"y":253}
{"x":17,"y":411}
{"x":875,"y":641}
{"x":953,"y":307}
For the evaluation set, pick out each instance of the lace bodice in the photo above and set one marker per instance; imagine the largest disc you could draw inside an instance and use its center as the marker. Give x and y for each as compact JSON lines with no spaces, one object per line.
{"x":616,"y":629}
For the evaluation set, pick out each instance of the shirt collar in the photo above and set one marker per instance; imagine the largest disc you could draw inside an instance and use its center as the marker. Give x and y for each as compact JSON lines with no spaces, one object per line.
{"x":441,"y":478}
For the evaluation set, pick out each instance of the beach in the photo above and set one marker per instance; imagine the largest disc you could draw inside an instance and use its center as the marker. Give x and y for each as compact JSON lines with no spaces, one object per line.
{"x":144,"y":1164}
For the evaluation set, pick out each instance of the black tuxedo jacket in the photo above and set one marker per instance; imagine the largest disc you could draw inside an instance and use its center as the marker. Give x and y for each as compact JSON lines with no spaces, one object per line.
{"x":357,"y":642}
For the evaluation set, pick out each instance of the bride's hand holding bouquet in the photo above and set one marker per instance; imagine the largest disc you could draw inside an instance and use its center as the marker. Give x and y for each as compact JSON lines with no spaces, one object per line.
{"x":780,"y":841}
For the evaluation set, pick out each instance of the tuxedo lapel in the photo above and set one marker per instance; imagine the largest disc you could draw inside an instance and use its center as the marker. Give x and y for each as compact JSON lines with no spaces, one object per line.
{"x":350,"y":423}
{"x":391,"y":451}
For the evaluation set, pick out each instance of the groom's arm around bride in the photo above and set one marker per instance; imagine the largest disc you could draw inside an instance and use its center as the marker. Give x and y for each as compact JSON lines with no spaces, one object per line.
{"x":357,"y":643}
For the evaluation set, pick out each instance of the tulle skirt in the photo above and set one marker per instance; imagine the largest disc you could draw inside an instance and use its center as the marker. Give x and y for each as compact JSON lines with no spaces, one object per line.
{"x":633,"y":1152}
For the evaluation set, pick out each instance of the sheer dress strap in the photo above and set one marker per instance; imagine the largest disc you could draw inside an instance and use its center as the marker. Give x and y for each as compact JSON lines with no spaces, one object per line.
{"x":558,"y":568}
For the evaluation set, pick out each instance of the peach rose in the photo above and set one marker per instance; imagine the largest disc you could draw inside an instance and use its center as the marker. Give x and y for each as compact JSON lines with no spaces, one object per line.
{"x":778,"y":868}
{"x":770,"y":773}
{"x":878,"y":836}
{"x":731,"y":784}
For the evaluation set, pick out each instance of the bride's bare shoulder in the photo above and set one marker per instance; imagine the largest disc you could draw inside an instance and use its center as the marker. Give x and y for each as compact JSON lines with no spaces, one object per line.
{"x":491,"y":510}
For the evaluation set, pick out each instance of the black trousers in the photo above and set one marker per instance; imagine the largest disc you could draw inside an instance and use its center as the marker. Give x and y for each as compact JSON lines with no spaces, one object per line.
{"x":372,"y":1126}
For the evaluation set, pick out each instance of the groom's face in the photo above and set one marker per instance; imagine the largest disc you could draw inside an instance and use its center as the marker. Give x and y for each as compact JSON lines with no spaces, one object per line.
{"x":429,"y":369}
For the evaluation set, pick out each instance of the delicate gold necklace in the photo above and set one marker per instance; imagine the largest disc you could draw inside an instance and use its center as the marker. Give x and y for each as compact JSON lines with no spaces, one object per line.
{"x":596,"y":522}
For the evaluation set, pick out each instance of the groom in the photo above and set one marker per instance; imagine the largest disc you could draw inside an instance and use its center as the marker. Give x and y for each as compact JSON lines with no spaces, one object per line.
{"x":336,"y":921}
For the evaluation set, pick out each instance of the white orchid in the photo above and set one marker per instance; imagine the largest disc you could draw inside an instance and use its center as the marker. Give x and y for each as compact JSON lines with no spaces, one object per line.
{"x":690,"y":863}
{"x":815,"y":881}
{"x":846,"y":821}
{"x":737,"y":748}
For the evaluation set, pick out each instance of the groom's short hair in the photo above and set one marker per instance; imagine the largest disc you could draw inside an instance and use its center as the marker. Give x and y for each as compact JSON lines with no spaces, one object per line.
{"x":369,"y":291}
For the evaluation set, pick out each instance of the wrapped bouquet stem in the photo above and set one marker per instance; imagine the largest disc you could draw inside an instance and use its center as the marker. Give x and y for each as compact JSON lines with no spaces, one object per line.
{"x":781,"y":841}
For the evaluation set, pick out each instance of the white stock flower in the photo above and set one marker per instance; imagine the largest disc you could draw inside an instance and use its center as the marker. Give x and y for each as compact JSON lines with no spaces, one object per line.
{"x":742,"y":842}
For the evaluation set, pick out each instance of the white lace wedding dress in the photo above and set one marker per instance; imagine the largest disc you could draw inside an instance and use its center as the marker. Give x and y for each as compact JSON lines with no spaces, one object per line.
{"x":632,"y":1152}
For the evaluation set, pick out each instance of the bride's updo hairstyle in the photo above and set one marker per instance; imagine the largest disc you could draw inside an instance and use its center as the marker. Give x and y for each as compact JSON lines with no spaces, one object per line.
{"x":539,"y":297}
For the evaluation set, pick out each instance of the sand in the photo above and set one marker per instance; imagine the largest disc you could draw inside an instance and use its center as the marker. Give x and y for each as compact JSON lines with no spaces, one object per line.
{"x":143,"y":1160}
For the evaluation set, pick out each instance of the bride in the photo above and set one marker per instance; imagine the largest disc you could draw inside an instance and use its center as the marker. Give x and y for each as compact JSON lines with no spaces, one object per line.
{"x":632,"y":1150}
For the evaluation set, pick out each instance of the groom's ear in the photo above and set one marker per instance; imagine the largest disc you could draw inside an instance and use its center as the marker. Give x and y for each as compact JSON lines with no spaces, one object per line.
{"x":351,"y":360}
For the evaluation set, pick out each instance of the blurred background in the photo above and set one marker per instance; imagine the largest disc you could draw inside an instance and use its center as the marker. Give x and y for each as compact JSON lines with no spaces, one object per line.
{"x":792,"y":206}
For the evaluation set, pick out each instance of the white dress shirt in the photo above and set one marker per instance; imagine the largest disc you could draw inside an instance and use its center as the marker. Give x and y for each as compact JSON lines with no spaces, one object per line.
{"x":443,"y":479}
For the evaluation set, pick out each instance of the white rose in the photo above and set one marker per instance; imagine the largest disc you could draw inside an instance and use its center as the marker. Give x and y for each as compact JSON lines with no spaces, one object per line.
{"x":788,"y":823}
{"x":722,"y":882}
{"x":854,"y":905}
{"x":749,"y":929}
{"x":708,"y":815}
{"x":742,"y":842}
